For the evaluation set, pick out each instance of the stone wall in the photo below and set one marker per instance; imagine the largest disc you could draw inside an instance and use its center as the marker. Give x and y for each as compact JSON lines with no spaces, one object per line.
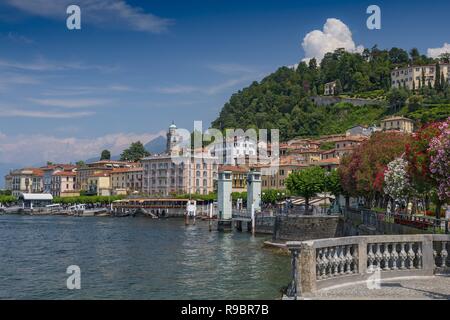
{"x":353,"y":226}
{"x":264,"y":225}
{"x":301,"y":228}
{"x":329,"y":100}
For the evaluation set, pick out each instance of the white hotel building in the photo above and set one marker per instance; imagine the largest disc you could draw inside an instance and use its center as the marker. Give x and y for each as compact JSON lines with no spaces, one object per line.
{"x":411,"y":77}
{"x":165,"y":174}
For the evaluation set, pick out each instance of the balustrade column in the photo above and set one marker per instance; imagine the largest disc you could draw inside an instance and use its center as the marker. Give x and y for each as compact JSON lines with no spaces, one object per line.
{"x":307,"y":264}
{"x":444,"y":254}
{"x":394,"y":256}
{"x":386,"y":256}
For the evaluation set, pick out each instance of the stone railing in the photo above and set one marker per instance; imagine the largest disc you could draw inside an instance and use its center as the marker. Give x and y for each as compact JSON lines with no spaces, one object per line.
{"x":376,"y":220}
{"x":325,"y":263}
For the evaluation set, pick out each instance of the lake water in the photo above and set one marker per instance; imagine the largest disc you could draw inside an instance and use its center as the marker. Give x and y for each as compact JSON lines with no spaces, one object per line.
{"x":134,"y":258}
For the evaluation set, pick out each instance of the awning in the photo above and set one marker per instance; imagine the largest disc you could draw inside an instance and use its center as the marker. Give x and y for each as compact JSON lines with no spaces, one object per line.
{"x":36,"y":196}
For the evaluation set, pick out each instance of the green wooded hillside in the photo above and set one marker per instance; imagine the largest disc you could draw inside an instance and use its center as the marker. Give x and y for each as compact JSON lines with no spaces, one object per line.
{"x":282,"y":99}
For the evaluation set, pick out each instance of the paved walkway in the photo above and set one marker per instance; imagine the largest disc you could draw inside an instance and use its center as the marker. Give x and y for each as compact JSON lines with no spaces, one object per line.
{"x":437,"y":287}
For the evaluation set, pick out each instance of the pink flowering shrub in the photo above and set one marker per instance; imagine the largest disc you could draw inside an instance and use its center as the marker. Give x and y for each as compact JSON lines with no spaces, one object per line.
{"x":440,"y":160}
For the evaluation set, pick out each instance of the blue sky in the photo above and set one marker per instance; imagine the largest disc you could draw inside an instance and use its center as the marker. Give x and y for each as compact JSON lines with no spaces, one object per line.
{"x":137,"y":65}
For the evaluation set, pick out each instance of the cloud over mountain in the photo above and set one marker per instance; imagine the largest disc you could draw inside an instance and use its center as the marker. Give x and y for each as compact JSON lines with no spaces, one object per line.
{"x":436,"y":52}
{"x":30,"y":149}
{"x":335,"y":35}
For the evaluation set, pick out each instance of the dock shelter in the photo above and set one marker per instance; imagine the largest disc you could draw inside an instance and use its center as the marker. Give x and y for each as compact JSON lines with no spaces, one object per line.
{"x":35,"y":200}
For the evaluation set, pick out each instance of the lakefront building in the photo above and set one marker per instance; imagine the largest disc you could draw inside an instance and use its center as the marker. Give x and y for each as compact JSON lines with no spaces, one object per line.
{"x":166,"y":174}
{"x":99,"y":167}
{"x":27,"y":180}
{"x":64,"y":184}
{"x":126,"y":180}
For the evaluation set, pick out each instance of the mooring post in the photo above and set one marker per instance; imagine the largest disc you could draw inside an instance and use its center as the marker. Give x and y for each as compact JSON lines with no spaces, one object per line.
{"x":253,"y":219}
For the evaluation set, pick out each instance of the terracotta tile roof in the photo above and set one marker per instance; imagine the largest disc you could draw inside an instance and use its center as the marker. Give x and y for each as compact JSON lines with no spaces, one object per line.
{"x":65,"y":173}
{"x":125,"y":170}
{"x":233,"y":168}
{"x":352,"y":138}
{"x":34,"y":171}
{"x":396,"y":118}
{"x":329,"y":151}
{"x":329,"y":161}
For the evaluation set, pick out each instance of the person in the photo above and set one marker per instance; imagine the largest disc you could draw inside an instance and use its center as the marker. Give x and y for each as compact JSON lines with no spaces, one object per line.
{"x":410,"y":205}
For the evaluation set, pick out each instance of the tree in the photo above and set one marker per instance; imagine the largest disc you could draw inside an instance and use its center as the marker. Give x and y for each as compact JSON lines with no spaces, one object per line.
{"x":80,"y":163}
{"x":415,"y":103}
{"x":106,"y":155}
{"x":312,"y":64}
{"x":338,"y":88}
{"x":398,"y":56}
{"x":418,"y":157}
{"x":306,"y":183}
{"x":440,"y":161}
{"x":134,"y":153}
{"x":397,"y":98}
{"x":333,"y":183}
{"x":445,"y":57}
{"x":437,"y":83}
{"x":272,"y":196}
{"x":360,"y":172}
{"x":415,"y":56}
{"x":396,"y":180}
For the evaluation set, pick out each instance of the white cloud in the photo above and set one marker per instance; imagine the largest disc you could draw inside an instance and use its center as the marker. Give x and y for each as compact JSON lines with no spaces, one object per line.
{"x":207,"y":90}
{"x":71,"y":103}
{"x":87,"y":90}
{"x":103,"y":13}
{"x":15,"y":37}
{"x":23,"y":113}
{"x":231,"y":68}
{"x":42,"y":64}
{"x":436,"y":52}
{"x":39,"y":148}
{"x":335,"y":35}
{"x":8,"y":80}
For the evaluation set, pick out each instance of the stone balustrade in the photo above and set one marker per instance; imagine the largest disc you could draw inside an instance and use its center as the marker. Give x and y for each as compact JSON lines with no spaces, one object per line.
{"x":319,"y":264}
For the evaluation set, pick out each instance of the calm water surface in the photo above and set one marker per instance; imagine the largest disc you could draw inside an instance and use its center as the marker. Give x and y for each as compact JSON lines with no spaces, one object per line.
{"x":134,"y":258}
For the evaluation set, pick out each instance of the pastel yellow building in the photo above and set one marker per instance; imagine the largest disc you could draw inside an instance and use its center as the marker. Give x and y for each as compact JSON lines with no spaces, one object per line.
{"x":100,"y":184}
{"x":398,"y":124}
{"x":126,"y":180}
{"x":278,"y":179}
{"x":64,"y":184}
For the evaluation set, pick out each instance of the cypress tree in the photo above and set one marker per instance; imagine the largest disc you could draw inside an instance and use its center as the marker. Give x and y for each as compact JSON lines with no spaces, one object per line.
{"x":423,"y":78}
{"x":437,"y":83}
{"x":442,"y":81}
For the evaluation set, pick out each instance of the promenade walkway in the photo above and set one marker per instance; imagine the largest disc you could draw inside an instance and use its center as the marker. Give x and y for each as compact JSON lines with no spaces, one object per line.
{"x":423,"y":288}
{"x":371,"y":267}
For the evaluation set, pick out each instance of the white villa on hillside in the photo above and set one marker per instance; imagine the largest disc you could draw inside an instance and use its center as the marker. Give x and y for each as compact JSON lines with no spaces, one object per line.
{"x":411,"y":77}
